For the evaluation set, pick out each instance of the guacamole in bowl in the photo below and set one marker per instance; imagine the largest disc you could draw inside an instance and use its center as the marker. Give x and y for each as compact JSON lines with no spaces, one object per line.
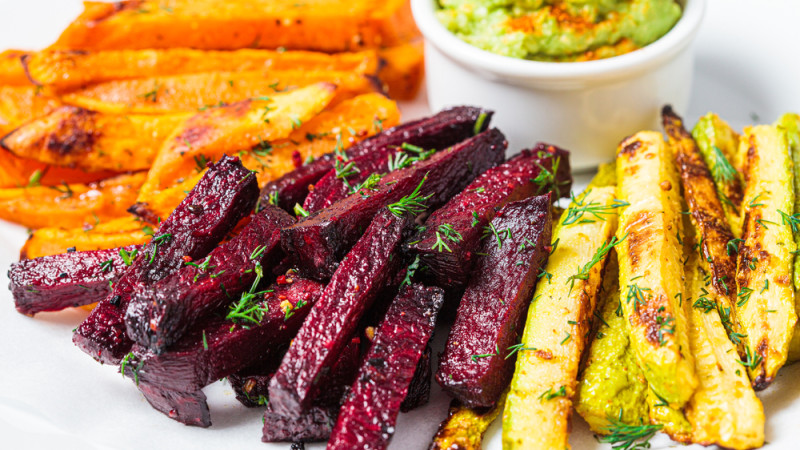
{"x":559,"y":30}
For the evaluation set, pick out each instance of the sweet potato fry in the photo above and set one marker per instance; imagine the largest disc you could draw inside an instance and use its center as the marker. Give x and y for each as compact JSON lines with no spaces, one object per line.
{"x":12,"y":73}
{"x":325,"y":25}
{"x":70,"y":69}
{"x":120,"y":232}
{"x":19,"y":172}
{"x":188,"y":93}
{"x":70,"y":205}
{"x":19,"y":104}
{"x":79,"y":138}
{"x":366,"y":115}
{"x":403,"y":69}
{"x":209,"y":134}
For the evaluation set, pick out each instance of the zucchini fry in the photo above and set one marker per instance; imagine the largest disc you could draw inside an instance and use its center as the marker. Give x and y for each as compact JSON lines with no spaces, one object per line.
{"x":724,"y":409}
{"x":79,"y":138}
{"x":67,"y":70}
{"x":120,"y":232}
{"x":188,"y":93}
{"x":651,"y":270}
{"x":766,"y":308}
{"x":210,"y":134}
{"x":539,"y":403}
{"x":719,"y":145}
{"x":611,"y":385}
{"x":70,"y":205}
{"x":464,"y":427}
{"x":338,"y":127}
{"x":716,"y":240}
{"x":790,"y":124}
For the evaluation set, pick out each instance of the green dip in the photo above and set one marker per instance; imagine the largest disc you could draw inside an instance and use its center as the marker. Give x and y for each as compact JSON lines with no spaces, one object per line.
{"x":559,"y":30}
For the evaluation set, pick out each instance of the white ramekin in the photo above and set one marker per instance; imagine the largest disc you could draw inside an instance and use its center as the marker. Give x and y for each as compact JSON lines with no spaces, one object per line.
{"x":586,"y":107}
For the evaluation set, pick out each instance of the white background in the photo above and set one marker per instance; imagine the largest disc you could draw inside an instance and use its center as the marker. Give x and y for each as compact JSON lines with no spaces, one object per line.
{"x":54,"y":396}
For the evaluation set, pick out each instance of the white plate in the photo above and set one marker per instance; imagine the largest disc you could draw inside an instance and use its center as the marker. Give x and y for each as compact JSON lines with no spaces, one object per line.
{"x":54,"y":396}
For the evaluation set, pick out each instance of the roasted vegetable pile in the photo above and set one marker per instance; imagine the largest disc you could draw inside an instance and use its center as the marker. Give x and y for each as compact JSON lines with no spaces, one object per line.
{"x":323,"y":310}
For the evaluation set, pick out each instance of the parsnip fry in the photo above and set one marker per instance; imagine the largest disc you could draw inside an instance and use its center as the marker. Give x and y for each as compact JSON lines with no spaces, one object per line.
{"x":651,"y":269}
{"x":323,"y":25}
{"x":464,"y":427}
{"x":766,"y":307}
{"x":724,"y":409}
{"x":69,"y":69}
{"x":210,"y":134}
{"x":190,"y":93}
{"x":719,"y":145}
{"x":716,"y":240}
{"x":70,"y":205}
{"x":539,"y":403}
{"x":79,"y":138}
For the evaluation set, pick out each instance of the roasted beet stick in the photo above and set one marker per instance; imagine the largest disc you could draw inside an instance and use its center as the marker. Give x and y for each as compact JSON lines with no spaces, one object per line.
{"x":397,"y":148}
{"x":475,"y":367}
{"x":158,"y":315}
{"x":441,"y":130}
{"x":225,"y":194}
{"x":452,"y":234}
{"x":367,"y":418}
{"x":320,"y":240}
{"x":220,"y":346}
{"x":372,"y":262}
{"x":52,"y":283}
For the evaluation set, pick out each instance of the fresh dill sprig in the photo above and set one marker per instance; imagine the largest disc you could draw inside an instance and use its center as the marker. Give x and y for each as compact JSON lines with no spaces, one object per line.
{"x":792,"y":220}
{"x":128,"y":256}
{"x":595,"y":211}
{"x":499,"y":235}
{"x":446,"y":232}
{"x":518,"y":348}
{"x":299,"y":211}
{"x":752,"y":360}
{"x":410,"y":272}
{"x":479,"y":123}
{"x":721,"y":169}
{"x":622,"y":436}
{"x":413,"y":203}
{"x":583,"y":273}
{"x":248,"y":308}
{"x":551,"y":394}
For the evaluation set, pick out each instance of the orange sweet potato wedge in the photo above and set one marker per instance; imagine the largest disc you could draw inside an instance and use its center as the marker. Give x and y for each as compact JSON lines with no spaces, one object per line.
{"x":20,"y":172}
{"x":12,"y":73}
{"x":320,"y":25}
{"x":188,"y":93}
{"x":341,"y":125}
{"x":119,"y":232}
{"x":19,"y":104}
{"x":214,"y":132}
{"x":70,"y":205}
{"x":65,"y":69}
{"x":403,"y":69}
{"x":79,"y":138}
